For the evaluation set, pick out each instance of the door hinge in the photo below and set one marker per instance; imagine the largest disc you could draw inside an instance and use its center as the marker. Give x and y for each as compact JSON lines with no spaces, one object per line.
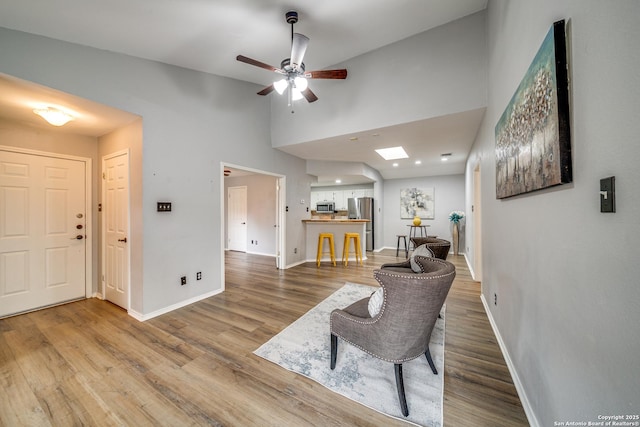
{"x":104,"y":176}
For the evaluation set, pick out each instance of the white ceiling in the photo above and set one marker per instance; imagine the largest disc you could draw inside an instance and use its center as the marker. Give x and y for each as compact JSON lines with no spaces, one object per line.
{"x":207,"y":35}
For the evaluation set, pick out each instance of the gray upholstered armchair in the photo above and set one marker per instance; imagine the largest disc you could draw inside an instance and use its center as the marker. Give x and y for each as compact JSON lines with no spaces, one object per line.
{"x":401,"y":330}
{"x":439,"y":247}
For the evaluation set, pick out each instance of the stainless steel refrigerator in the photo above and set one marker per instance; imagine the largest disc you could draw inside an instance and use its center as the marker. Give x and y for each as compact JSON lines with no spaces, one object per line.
{"x":365,"y":210}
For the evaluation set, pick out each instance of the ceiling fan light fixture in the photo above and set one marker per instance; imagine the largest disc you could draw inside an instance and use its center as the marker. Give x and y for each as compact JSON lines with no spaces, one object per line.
{"x":301,"y":83}
{"x":296,"y":95}
{"x":280,"y":86}
{"x":54,"y":116}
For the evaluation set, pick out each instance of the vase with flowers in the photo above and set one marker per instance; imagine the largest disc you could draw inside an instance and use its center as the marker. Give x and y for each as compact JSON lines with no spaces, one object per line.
{"x":455,"y":217}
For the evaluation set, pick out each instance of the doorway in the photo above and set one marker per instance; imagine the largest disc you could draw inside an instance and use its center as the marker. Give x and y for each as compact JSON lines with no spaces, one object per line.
{"x":45,"y":237}
{"x":279,"y":206}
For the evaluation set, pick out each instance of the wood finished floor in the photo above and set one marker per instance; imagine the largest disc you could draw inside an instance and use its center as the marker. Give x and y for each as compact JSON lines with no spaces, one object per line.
{"x":89,"y":363}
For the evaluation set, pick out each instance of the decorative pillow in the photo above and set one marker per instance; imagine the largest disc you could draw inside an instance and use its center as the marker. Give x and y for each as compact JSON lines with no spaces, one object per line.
{"x":375,"y":302}
{"x":421,"y":250}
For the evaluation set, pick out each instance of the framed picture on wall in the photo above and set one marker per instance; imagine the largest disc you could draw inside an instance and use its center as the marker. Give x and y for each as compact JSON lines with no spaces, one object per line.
{"x":417,"y":202}
{"x":533,"y":140}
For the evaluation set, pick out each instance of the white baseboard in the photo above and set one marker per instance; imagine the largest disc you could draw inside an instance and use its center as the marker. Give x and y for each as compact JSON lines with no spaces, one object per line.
{"x":295,"y":263}
{"x":473,"y":274}
{"x":261,"y":253}
{"x":531,"y":417}
{"x":142,"y":317}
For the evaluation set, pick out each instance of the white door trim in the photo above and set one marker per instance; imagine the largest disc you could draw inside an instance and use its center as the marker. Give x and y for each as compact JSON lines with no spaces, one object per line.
{"x":88,"y":280}
{"x":103,"y":231}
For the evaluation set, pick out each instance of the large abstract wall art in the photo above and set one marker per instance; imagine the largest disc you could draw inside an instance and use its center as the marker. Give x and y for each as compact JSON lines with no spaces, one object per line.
{"x":533,"y":140}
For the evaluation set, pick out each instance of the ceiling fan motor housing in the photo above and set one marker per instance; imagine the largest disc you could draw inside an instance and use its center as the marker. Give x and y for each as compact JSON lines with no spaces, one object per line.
{"x":286,"y":66}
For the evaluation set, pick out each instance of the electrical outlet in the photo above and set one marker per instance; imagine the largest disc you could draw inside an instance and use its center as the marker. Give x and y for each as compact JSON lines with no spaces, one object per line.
{"x":252,"y":242}
{"x":295,"y":250}
{"x":199,"y":275}
{"x":183,"y":280}
{"x":256,"y":242}
{"x":495,"y":299}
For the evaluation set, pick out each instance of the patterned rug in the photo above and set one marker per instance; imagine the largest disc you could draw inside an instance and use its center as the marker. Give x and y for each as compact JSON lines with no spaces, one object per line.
{"x":304,"y":347}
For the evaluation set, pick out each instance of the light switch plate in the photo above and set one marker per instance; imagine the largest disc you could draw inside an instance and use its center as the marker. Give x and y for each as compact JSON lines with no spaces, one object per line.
{"x":608,"y":194}
{"x":164,"y":207}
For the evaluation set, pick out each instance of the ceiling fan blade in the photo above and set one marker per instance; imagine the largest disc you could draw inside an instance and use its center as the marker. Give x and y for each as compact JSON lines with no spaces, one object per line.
{"x":298,"y":48}
{"x":309,"y":96}
{"x":327,"y":74}
{"x":267,"y":90}
{"x":256,"y":63}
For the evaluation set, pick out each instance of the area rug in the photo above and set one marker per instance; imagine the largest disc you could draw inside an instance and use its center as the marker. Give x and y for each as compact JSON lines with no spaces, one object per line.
{"x":304,"y":347}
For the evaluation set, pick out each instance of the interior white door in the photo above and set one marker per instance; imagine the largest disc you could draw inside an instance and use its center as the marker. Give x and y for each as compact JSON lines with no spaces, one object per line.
{"x":237,"y":219}
{"x":116,"y":229}
{"x":42,"y":231}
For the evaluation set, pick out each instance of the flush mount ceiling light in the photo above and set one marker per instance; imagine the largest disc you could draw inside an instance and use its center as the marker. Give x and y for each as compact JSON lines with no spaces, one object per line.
{"x":418,"y":162}
{"x":54,"y":116}
{"x":395,"y":165}
{"x":445,"y":156}
{"x":338,"y":181}
{"x":392,"y":153}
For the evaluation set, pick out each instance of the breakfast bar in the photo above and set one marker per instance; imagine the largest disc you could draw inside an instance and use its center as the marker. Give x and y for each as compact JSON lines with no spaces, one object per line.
{"x":338,"y":227}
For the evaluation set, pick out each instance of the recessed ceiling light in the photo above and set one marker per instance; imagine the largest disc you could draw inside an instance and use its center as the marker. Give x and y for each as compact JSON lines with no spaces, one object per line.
{"x":338,"y":181}
{"x":395,"y":165}
{"x":375,"y":134}
{"x":353,"y":138}
{"x":418,"y":162}
{"x":392,"y":153}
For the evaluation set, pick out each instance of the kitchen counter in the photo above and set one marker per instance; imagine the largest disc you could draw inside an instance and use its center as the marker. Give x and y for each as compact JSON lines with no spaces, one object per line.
{"x":338,"y":227}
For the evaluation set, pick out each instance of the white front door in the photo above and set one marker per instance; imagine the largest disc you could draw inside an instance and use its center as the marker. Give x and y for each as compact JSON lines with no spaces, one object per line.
{"x":42,"y":231}
{"x":116,"y":228}
{"x":237,"y":219}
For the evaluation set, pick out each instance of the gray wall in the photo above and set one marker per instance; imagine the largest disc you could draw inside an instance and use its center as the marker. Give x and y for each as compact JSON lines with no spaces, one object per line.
{"x":432,"y":74}
{"x":192,"y":122}
{"x":565,"y":274}
{"x":448,"y":194}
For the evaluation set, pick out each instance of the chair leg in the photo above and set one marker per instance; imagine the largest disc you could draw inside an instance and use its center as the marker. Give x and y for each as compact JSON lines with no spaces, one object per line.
{"x":400,"y":385}
{"x":430,"y":360}
{"x":334,"y":350}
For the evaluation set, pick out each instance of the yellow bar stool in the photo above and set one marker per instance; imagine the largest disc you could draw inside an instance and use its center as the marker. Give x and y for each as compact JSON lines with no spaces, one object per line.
{"x":332,"y":249}
{"x":348,"y":237}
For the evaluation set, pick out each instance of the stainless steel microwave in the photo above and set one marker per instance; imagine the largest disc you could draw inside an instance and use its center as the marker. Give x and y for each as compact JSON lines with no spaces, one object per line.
{"x":325,"y":207}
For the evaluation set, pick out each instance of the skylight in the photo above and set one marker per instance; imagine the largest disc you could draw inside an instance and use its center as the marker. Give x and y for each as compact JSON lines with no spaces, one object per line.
{"x":392,"y":153}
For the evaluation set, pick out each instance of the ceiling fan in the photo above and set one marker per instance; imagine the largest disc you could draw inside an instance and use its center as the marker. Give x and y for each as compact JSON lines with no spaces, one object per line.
{"x":294,"y":76}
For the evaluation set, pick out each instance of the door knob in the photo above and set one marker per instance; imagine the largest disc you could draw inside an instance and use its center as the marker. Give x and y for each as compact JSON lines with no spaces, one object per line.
{"x":123,"y":240}
{"x":78,"y":237}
